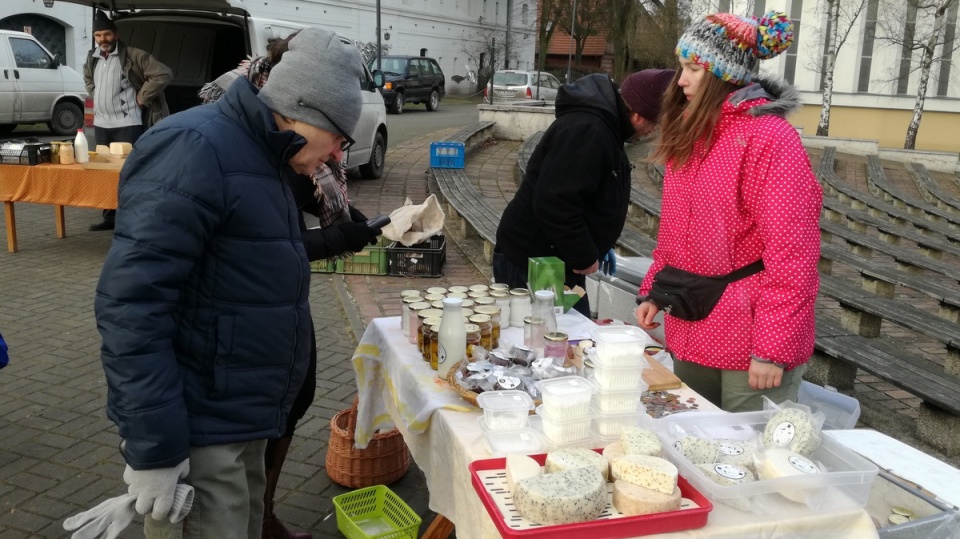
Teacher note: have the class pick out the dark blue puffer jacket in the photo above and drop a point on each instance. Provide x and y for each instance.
(203, 298)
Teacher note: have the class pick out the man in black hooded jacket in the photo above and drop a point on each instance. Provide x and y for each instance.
(573, 200)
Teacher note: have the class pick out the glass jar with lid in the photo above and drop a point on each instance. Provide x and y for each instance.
(555, 344)
(428, 329)
(494, 313)
(413, 320)
(473, 340)
(520, 306)
(405, 303)
(502, 300)
(485, 324)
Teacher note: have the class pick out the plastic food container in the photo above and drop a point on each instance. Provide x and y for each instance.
(844, 485)
(506, 409)
(612, 377)
(841, 411)
(620, 346)
(523, 441)
(618, 400)
(560, 431)
(566, 397)
(609, 425)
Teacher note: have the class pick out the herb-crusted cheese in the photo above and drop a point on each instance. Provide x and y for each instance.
(640, 441)
(736, 452)
(730, 474)
(633, 500)
(521, 467)
(646, 471)
(793, 429)
(697, 450)
(577, 457)
(575, 495)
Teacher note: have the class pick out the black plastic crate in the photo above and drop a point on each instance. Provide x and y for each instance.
(30, 153)
(420, 260)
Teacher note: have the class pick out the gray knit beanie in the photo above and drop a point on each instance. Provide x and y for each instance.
(319, 73)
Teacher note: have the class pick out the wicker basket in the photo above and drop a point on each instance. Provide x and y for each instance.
(466, 394)
(385, 460)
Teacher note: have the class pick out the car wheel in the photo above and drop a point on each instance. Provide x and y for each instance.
(7, 128)
(434, 102)
(398, 103)
(67, 119)
(374, 168)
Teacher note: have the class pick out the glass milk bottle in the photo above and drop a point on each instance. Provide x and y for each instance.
(452, 337)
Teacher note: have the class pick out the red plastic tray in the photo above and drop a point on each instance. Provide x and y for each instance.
(610, 525)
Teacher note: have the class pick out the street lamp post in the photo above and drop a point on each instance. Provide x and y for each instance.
(573, 30)
(379, 67)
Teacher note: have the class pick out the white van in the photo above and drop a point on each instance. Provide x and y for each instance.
(35, 87)
(201, 39)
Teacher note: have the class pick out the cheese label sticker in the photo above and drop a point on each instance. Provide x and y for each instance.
(729, 471)
(678, 446)
(783, 433)
(803, 464)
(731, 449)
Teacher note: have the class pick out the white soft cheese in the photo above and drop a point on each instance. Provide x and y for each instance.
(633, 500)
(521, 467)
(640, 441)
(777, 462)
(646, 471)
(575, 495)
(119, 148)
(577, 457)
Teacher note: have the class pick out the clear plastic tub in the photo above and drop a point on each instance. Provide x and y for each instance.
(559, 431)
(612, 377)
(615, 401)
(844, 485)
(620, 346)
(841, 411)
(609, 425)
(523, 441)
(567, 397)
(505, 410)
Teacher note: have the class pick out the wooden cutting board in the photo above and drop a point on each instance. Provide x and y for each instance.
(658, 377)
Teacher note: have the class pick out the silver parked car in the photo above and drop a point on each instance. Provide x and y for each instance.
(511, 84)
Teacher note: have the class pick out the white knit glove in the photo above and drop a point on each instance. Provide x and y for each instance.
(155, 489)
(111, 517)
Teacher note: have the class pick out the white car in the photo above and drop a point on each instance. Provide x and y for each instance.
(35, 87)
(508, 84)
(211, 37)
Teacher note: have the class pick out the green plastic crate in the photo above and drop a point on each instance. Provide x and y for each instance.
(323, 266)
(375, 512)
(370, 261)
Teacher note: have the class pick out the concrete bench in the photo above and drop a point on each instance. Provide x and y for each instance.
(931, 190)
(881, 187)
(524, 153)
(466, 211)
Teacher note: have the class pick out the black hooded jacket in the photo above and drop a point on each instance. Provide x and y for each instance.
(573, 200)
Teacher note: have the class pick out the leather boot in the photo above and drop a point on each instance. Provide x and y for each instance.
(273, 459)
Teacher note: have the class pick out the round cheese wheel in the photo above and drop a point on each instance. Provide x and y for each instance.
(633, 500)
(565, 497)
(778, 462)
(793, 429)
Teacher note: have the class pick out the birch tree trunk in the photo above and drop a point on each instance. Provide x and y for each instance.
(823, 128)
(926, 60)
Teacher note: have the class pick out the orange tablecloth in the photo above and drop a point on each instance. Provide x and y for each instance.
(62, 185)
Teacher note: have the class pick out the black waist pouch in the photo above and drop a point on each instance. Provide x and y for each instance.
(691, 297)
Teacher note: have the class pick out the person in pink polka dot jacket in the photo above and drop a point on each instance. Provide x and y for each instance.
(738, 188)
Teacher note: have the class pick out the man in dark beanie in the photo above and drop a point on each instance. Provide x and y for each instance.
(643, 91)
(203, 303)
(572, 202)
(127, 85)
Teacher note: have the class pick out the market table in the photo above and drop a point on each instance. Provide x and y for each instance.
(59, 185)
(397, 387)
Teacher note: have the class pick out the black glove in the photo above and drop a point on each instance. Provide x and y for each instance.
(356, 215)
(356, 236)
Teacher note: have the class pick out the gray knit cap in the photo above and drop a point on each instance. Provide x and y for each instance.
(319, 73)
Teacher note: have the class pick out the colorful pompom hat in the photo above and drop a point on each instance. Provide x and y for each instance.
(729, 45)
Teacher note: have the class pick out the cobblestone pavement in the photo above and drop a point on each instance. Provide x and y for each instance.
(58, 454)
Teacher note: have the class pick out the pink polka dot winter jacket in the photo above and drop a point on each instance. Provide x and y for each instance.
(751, 195)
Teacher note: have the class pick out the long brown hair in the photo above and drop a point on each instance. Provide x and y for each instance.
(684, 122)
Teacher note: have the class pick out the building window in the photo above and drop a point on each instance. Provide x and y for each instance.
(524, 15)
(949, 34)
(790, 69)
(866, 51)
(906, 51)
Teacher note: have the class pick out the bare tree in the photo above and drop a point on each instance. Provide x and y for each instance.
(591, 17)
(486, 52)
(622, 22)
(660, 23)
(841, 18)
(547, 23)
(916, 25)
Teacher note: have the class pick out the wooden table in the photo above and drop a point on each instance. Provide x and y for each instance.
(59, 185)
(452, 439)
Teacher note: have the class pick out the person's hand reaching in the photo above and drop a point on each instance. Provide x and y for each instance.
(356, 236)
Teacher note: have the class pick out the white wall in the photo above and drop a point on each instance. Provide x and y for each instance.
(74, 18)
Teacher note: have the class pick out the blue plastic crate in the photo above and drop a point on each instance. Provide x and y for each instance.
(447, 155)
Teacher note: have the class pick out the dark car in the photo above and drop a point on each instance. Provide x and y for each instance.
(410, 79)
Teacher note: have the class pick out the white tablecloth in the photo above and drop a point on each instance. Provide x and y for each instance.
(450, 439)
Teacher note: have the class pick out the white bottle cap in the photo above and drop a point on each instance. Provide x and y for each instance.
(545, 294)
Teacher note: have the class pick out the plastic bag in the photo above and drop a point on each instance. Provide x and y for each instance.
(793, 426)
(411, 224)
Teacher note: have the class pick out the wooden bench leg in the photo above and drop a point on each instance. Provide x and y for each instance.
(488, 251)
(825, 370)
(952, 362)
(440, 528)
(61, 223)
(940, 429)
(950, 313)
(11, 220)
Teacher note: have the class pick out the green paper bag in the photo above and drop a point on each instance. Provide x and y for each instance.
(546, 273)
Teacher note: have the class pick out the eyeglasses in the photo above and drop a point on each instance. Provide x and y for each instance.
(347, 139)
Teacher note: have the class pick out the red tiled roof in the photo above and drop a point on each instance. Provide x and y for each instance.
(561, 43)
